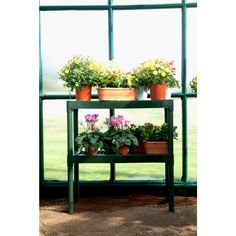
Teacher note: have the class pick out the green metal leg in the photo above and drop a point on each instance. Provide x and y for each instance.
(167, 181)
(112, 173)
(70, 189)
(76, 178)
(171, 187)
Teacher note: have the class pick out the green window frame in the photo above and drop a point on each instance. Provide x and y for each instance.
(183, 94)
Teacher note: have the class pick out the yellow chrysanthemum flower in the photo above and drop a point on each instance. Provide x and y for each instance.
(163, 74)
(167, 70)
(66, 71)
(155, 72)
(77, 61)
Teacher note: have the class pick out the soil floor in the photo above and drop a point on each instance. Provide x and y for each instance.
(132, 215)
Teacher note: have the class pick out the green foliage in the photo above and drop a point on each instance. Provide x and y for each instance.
(151, 132)
(89, 139)
(115, 138)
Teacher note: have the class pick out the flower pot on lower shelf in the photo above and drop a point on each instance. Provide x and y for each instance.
(116, 94)
(156, 147)
(92, 152)
(84, 94)
(123, 150)
(139, 148)
(158, 91)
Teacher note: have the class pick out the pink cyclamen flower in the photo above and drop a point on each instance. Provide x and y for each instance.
(91, 118)
(120, 118)
(171, 63)
(126, 122)
(115, 122)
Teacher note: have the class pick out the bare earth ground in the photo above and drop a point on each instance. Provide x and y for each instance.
(132, 215)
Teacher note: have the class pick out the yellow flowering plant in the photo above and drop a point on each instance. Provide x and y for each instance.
(79, 72)
(156, 71)
(193, 84)
(113, 76)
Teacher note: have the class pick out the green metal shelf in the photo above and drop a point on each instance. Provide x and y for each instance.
(114, 158)
(72, 105)
(74, 158)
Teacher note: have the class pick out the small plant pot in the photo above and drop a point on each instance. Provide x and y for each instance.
(139, 148)
(158, 91)
(92, 152)
(156, 147)
(84, 94)
(123, 150)
(116, 94)
(141, 94)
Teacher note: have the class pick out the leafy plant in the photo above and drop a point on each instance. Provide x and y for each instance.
(79, 72)
(118, 134)
(193, 84)
(91, 137)
(114, 76)
(156, 71)
(151, 132)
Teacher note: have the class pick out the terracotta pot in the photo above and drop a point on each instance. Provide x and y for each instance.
(158, 91)
(116, 94)
(84, 94)
(123, 150)
(156, 147)
(139, 148)
(92, 152)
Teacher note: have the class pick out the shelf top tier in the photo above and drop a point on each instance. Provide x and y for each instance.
(73, 105)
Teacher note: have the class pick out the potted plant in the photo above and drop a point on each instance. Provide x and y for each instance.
(156, 75)
(90, 139)
(141, 87)
(193, 84)
(80, 73)
(137, 131)
(155, 138)
(118, 137)
(115, 83)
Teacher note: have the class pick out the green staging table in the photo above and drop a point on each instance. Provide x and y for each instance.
(74, 158)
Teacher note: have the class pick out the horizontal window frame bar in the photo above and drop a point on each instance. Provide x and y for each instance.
(95, 96)
(115, 7)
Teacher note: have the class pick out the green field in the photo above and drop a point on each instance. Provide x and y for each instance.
(55, 144)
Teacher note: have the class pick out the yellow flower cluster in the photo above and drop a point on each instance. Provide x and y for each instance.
(129, 79)
(156, 67)
(112, 70)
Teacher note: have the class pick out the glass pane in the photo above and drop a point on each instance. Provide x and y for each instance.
(55, 140)
(191, 44)
(72, 2)
(142, 35)
(133, 2)
(55, 143)
(64, 34)
(192, 138)
(140, 171)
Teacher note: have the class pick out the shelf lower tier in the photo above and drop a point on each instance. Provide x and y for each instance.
(114, 158)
